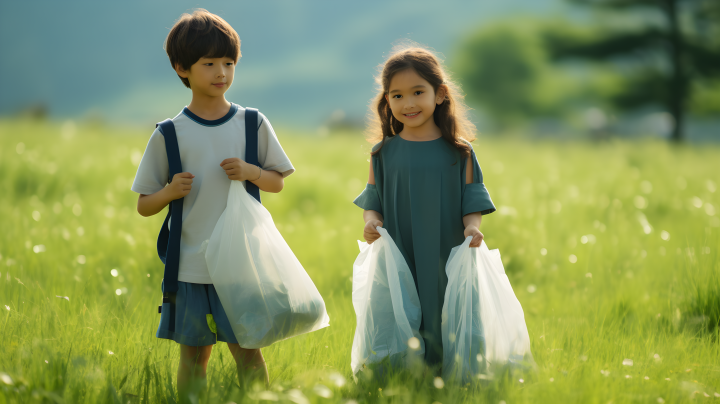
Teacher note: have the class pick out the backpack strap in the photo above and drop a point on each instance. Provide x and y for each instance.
(251, 148)
(168, 244)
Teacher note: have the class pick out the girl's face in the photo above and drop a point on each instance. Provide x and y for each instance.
(412, 99)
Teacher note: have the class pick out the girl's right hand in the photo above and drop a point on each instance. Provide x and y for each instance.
(370, 232)
(180, 185)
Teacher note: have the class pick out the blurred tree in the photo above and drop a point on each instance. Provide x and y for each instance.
(669, 55)
(504, 69)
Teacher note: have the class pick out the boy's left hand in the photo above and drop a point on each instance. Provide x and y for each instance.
(476, 235)
(239, 170)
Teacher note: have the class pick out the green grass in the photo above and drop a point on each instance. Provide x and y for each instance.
(68, 218)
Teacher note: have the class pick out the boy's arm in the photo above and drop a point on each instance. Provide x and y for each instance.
(149, 205)
(239, 170)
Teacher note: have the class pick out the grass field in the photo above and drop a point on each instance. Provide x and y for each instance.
(612, 249)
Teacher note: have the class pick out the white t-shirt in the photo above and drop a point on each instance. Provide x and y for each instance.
(203, 145)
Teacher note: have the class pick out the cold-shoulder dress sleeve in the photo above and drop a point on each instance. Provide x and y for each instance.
(371, 197)
(476, 197)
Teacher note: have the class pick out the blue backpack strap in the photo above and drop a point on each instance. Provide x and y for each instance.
(251, 147)
(168, 244)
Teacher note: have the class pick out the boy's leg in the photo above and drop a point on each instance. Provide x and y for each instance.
(192, 369)
(249, 362)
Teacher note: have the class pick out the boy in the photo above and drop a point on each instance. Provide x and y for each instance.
(203, 50)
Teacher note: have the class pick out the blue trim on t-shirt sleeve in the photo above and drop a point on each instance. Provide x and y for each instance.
(217, 122)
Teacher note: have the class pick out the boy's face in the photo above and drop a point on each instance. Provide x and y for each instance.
(210, 76)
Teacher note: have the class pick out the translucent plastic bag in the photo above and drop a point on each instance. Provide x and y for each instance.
(262, 286)
(483, 324)
(386, 305)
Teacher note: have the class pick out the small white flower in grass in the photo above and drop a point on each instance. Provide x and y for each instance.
(521, 380)
(46, 361)
(667, 378)
(656, 356)
(531, 288)
(148, 275)
(572, 258)
(627, 362)
(583, 358)
(5, 378)
(628, 377)
(265, 396)
(706, 395)
(63, 297)
(414, 343)
(552, 379)
(717, 395)
(118, 292)
(337, 379)
(660, 400)
(640, 202)
(39, 248)
(665, 235)
(81, 259)
(111, 352)
(438, 383)
(605, 373)
(7, 307)
(647, 378)
(114, 272)
(322, 391)
(297, 397)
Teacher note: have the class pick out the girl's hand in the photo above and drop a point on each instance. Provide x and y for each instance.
(370, 232)
(239, 170)
(179, 186)
(476, 235)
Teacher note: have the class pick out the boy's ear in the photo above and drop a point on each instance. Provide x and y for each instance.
(180, 71)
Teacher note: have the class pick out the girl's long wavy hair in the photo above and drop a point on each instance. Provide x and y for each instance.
(451, 116)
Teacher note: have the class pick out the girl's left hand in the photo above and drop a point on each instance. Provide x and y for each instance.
(476, 235)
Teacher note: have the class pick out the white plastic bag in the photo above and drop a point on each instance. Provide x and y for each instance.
(263, 288)
(483, 324)
(386, 305)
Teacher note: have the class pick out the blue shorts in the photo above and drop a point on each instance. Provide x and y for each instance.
(193, 303)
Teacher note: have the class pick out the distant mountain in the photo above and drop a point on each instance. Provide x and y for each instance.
(302, 60)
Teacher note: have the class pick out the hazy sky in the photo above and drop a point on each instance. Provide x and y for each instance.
(301, 59)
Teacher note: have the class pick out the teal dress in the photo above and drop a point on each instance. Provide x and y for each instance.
(420, 190)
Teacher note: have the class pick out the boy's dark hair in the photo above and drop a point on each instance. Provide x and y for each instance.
(200, 34)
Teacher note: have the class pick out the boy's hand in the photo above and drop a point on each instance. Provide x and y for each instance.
(370, 232)
(476, 235)
(180, 185)
(239, 170)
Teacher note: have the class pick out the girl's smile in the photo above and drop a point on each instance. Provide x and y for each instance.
(412, 101)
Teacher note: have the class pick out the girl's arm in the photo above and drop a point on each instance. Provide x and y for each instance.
(372, 218)
(472, 220)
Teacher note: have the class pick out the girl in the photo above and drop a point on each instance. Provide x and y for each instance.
(425, 185)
